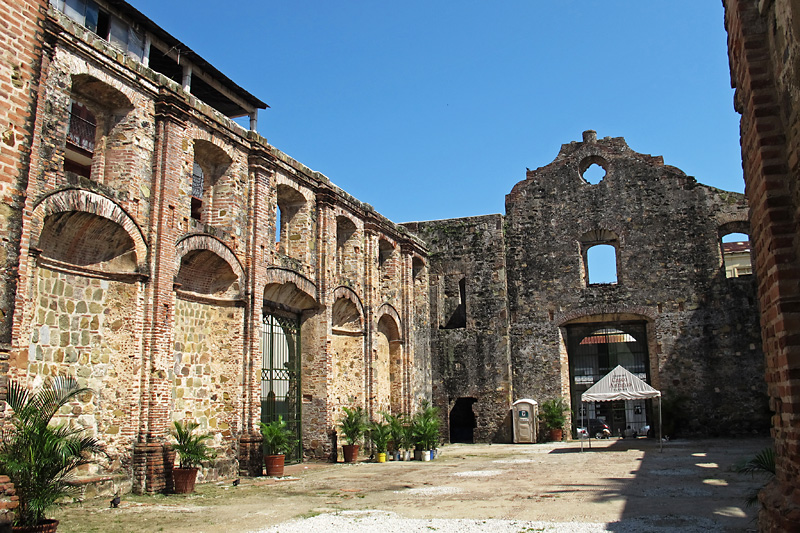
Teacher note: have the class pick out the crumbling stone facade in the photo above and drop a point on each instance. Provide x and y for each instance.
(530, 311)
(180, 265)
(764, 48)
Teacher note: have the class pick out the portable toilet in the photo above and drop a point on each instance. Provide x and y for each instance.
(525, 417)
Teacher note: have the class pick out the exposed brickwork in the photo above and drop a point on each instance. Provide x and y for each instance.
(158, 305)
(20, 61)
(764, 50)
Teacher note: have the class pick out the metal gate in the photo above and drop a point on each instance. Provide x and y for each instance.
(280, 375)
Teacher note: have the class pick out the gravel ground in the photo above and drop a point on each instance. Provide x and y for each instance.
(388, 522)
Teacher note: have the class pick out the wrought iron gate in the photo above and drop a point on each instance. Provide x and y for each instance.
(280, 375)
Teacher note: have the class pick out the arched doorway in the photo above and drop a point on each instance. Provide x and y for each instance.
(594, 350)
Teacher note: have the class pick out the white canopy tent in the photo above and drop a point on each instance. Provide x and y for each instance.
(619, 384)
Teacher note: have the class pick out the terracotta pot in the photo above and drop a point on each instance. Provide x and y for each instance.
(275, 465)
(350, 452)
(45, 526)
(556, 435)
(183, 480)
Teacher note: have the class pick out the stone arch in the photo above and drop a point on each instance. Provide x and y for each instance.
(290, 289)
(210, 163)
(348, 311)
(389, 361)
(206, 266)
(735, 255)
(95, 110)
(292, 219)
(388, 310)
(58, 211)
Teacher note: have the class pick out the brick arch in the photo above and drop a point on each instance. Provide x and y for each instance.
(342, 295)
(386, 310)
(289, 288)
(212, 244)
(79, 200)
(604, 313)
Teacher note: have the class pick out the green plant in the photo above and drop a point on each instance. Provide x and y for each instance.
(278, 438)
(763, 464)
(41, 458)
(191, 449)
(552, 413)
(380, 433)
(353, 424)
(397, 425)
(425, 427)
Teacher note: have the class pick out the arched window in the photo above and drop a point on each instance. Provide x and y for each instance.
(736, 257)
(599, 256)
(601, 264)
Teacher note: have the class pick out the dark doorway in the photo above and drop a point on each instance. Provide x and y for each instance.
(462, 421)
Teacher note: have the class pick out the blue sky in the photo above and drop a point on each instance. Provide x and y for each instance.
(431, 110)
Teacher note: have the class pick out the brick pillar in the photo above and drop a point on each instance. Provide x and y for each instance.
(764, 51)
(407, 315)
(371, 289)
(322, 369)
(168, 220)
(262, 204)
(251, 455)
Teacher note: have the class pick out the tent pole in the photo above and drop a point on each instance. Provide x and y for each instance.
(660, 438)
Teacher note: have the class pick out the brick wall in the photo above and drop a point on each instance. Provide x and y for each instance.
(764, 50)
(20, 59)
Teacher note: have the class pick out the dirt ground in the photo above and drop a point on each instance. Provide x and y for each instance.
(688, 484)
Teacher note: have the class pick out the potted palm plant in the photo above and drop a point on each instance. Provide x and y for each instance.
(353, 425)
(396, 425)
(192, 450)
(380, 433)
(41, 458)
(425, 431)
(553, 414)
(278, 441)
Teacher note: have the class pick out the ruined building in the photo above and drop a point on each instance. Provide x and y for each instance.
(516, 311)
(176, 262)
(185, 269)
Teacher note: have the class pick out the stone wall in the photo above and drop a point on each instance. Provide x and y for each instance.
(470, 346)
(528, 282)
(155, 295)
(764, 49)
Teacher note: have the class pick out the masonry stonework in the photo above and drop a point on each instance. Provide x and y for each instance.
(519, 323)
(180, 265)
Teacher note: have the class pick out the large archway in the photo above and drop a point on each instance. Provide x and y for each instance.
(596, 348)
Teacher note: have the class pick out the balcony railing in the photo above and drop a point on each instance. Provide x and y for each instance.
(81, 132)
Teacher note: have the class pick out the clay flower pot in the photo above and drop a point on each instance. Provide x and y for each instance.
(275, 465)
(350, 452)
(183, 480)
(45, 526)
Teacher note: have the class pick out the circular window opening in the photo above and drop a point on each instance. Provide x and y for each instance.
(594, 174)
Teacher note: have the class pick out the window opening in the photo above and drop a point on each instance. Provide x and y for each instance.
(197, 191)
(736, 256)
(80, 140)
(594, 174)
(601, 264)
(455, 303)
(280, 375)
(105, 25)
